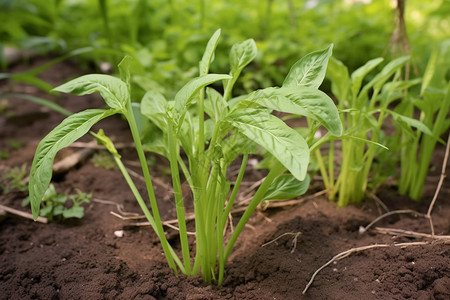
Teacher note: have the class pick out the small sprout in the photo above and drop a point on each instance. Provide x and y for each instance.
(14, 180)
(54, 205)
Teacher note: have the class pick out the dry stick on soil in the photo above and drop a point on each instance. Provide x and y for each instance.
(355, 250)
(22, 214)
(119, 207)
(394, 212)
(377, 201)
(406, 233)
(294, 240)
(438, 189)
(155, 180)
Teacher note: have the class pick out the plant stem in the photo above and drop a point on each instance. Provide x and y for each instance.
(144, 208)
(223, 220)
(257, 198)
(148, 183)
(173, 154)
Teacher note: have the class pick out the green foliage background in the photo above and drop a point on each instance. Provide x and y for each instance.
(167, 36)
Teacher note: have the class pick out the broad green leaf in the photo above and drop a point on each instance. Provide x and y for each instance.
(154, 107)
(235, 145)
(208, 56)
(215, 106)
(361, 72)
(124, 69)
(310, 70)
(305, 101)
(112, 89)
(187, 93)
(337, 72)
(141, 120)
(286, 187)
(283, 142)
(70, 129)
(156, 143)
(242, 54)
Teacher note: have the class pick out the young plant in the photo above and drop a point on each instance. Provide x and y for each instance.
(53, 205)
(210, 145)
(14, 180)
(418, 139)
(363, 110)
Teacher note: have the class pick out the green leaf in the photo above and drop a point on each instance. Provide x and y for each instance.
(242, 54)
(41, 101)
(286, 187)
(337, 72)
(235, 145)
(310, 70)
(154, 107)
(388, 71)
(283, 142)
(32, 80)
(305, 101)
(411, 122)
(429, 71)
(215, 106)
(208, 56)
(70, 129)
(188, 92)
(361, 72)
(112, 89)
(124, 69)
(73, 212)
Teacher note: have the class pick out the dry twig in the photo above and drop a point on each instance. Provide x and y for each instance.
(401, 232)
(394, 212)
(355, 250)
(22, 214)
(438, 189)
(294, 240)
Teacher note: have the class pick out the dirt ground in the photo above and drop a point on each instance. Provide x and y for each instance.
(83, 259)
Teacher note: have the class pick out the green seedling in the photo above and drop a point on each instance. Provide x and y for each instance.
(54, 207)
(418, 139)
(200, 148)
(14, 180)
(363, 110)
(4, 154)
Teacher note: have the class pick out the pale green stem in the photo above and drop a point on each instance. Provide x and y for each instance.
(144, 208)
(173, 154)
(257, 198)
(225, 215)
(149, 185)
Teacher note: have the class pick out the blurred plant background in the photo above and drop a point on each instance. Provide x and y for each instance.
(167, 37)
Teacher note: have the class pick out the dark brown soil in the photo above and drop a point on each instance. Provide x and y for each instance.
(83, 259)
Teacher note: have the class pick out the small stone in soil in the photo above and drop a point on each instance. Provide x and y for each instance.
(118, 233)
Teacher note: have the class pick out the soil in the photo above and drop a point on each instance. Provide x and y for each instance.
(83, 259)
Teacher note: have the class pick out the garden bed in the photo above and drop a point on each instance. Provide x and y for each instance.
(84, 259)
